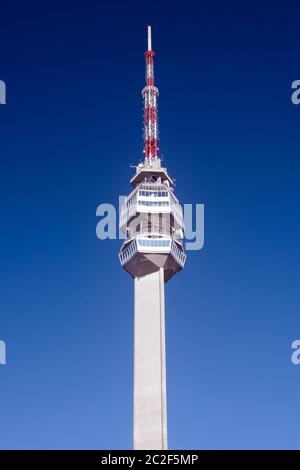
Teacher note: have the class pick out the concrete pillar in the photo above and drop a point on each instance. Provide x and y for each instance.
(150, 407)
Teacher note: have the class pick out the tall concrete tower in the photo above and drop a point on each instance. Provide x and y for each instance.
(153, 252)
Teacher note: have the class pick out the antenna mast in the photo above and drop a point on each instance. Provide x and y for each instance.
(150, 95)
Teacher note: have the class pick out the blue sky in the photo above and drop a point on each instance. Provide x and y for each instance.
(230, 135)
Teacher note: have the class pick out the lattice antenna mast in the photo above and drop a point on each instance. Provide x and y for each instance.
(150, 95)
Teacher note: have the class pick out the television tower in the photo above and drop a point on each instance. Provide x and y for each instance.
(153, 252)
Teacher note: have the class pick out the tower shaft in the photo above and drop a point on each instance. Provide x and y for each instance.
(150, 408)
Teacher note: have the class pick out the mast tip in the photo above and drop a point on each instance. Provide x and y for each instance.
(149, 39)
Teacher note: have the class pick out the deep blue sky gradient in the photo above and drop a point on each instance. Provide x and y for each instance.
(230, 135)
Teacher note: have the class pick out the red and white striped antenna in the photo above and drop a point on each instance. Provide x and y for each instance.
(150, 95)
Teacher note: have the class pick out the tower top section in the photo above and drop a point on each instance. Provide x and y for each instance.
(151, 216)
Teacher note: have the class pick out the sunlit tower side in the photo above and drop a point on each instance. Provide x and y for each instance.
(152, 220)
